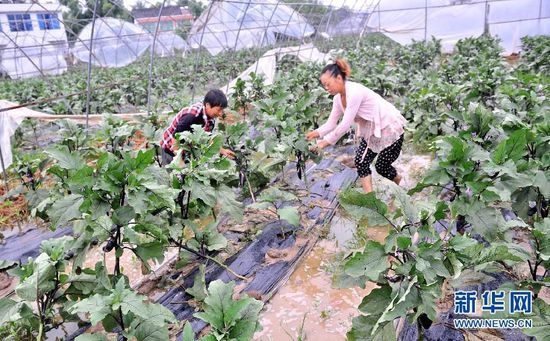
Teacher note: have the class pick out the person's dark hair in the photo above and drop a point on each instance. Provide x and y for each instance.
(339, 68)
(216, 98)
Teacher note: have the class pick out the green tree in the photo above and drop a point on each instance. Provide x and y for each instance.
(195, 7)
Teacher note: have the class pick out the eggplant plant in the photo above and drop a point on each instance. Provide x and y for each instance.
(412, 264)
(117, 202)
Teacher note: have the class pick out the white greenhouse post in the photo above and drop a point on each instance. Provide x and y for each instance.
(4, 170)
(151, 59)
(425, 20)
(237, 41)
(288, 23)
(200, 44)
(90, 67)
(367, 21)
(486, 23)
(265, 35)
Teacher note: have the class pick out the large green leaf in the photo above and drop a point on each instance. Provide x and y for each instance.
(234, 319)
(65, 209)
(228, 203)
(499, 154)
(164, 196)
(247, 323)
(376, 301)
(541, 321)
(273, 194)
(459, 243)
(65, 159)
(541, 181)
(188, 334)
(502, 252)
(203, 192)
(40, 282)
(371, 262)
(98, 306)
(428, 298)
(198, 290)
(362, 327)
(146, 331)
(214, 147)
(487, 221)
(9, 310)
(361, 205)
(152, 250)
(217, 303)
(290, 214)
(516, 145)
(404, 202)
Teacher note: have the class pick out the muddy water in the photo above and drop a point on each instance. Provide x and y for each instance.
(307, 307)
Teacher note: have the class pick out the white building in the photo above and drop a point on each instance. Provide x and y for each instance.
(33, 41)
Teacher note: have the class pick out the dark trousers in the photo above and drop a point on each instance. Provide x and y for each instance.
(167, 157)
(383, 163)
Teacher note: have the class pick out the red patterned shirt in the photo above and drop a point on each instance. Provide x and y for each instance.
(183, 122)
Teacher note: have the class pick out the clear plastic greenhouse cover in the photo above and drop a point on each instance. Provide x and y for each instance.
(235, 26)
(451, 20)
(352, 24)
(30, 57)
(168, 44)
(116, 43)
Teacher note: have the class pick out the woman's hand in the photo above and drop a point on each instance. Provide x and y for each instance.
(312, 135)
(320, 145)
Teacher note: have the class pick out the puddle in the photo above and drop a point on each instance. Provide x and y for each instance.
(308, 299)
(342, 230)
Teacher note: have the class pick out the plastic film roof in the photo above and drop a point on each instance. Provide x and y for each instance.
(32, 58)
(168, 43)
(235, 26)
(451, 20)
(116, 43)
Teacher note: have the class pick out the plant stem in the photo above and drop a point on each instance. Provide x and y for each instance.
(182, 246)
(305, 178)
(250, 188)
(121, 322)
(187, 205)
(420, 335)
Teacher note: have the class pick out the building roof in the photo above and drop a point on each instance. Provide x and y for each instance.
(166, 11)
(34, 7)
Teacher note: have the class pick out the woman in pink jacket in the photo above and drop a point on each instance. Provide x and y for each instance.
(379, 124)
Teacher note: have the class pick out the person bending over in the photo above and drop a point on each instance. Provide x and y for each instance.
(203, 114)
(380, 126)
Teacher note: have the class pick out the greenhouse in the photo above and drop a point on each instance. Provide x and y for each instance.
(275, 170)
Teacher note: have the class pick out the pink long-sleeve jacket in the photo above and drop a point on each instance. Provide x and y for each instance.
(378, 121)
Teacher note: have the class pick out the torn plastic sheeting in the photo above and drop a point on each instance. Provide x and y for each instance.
(11, 119)
(267, 64)
(9, 122)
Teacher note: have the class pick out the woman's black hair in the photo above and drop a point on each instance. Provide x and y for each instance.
(339, 68)
(216, 98)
